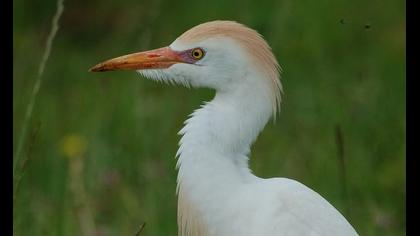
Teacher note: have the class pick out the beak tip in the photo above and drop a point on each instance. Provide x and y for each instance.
(97, 68)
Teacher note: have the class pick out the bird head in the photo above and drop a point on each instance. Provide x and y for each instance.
(222, 55)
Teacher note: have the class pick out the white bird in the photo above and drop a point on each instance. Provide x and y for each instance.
(217, 193)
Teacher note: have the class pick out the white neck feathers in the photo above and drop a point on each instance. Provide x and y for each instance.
(212, 158)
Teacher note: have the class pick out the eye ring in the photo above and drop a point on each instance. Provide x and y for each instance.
(197, 53)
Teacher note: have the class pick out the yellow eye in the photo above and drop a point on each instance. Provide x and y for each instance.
(197, 53)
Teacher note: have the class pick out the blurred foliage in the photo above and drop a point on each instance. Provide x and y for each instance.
(343, 63)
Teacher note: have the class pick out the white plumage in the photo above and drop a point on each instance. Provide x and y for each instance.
(217, 193)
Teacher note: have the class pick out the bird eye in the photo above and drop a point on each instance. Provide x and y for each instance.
(197, 53)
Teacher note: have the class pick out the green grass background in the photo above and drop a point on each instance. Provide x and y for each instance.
(343, 63)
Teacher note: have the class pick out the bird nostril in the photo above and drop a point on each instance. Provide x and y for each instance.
(153, 55)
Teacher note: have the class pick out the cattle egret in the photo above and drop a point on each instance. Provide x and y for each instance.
(217, 193)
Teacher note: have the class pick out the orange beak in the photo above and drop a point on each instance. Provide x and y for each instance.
(154, 59)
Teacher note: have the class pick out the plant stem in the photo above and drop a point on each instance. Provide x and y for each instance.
(38, 83)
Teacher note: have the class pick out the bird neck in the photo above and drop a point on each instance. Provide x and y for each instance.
(224, 128)
(214, 148)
